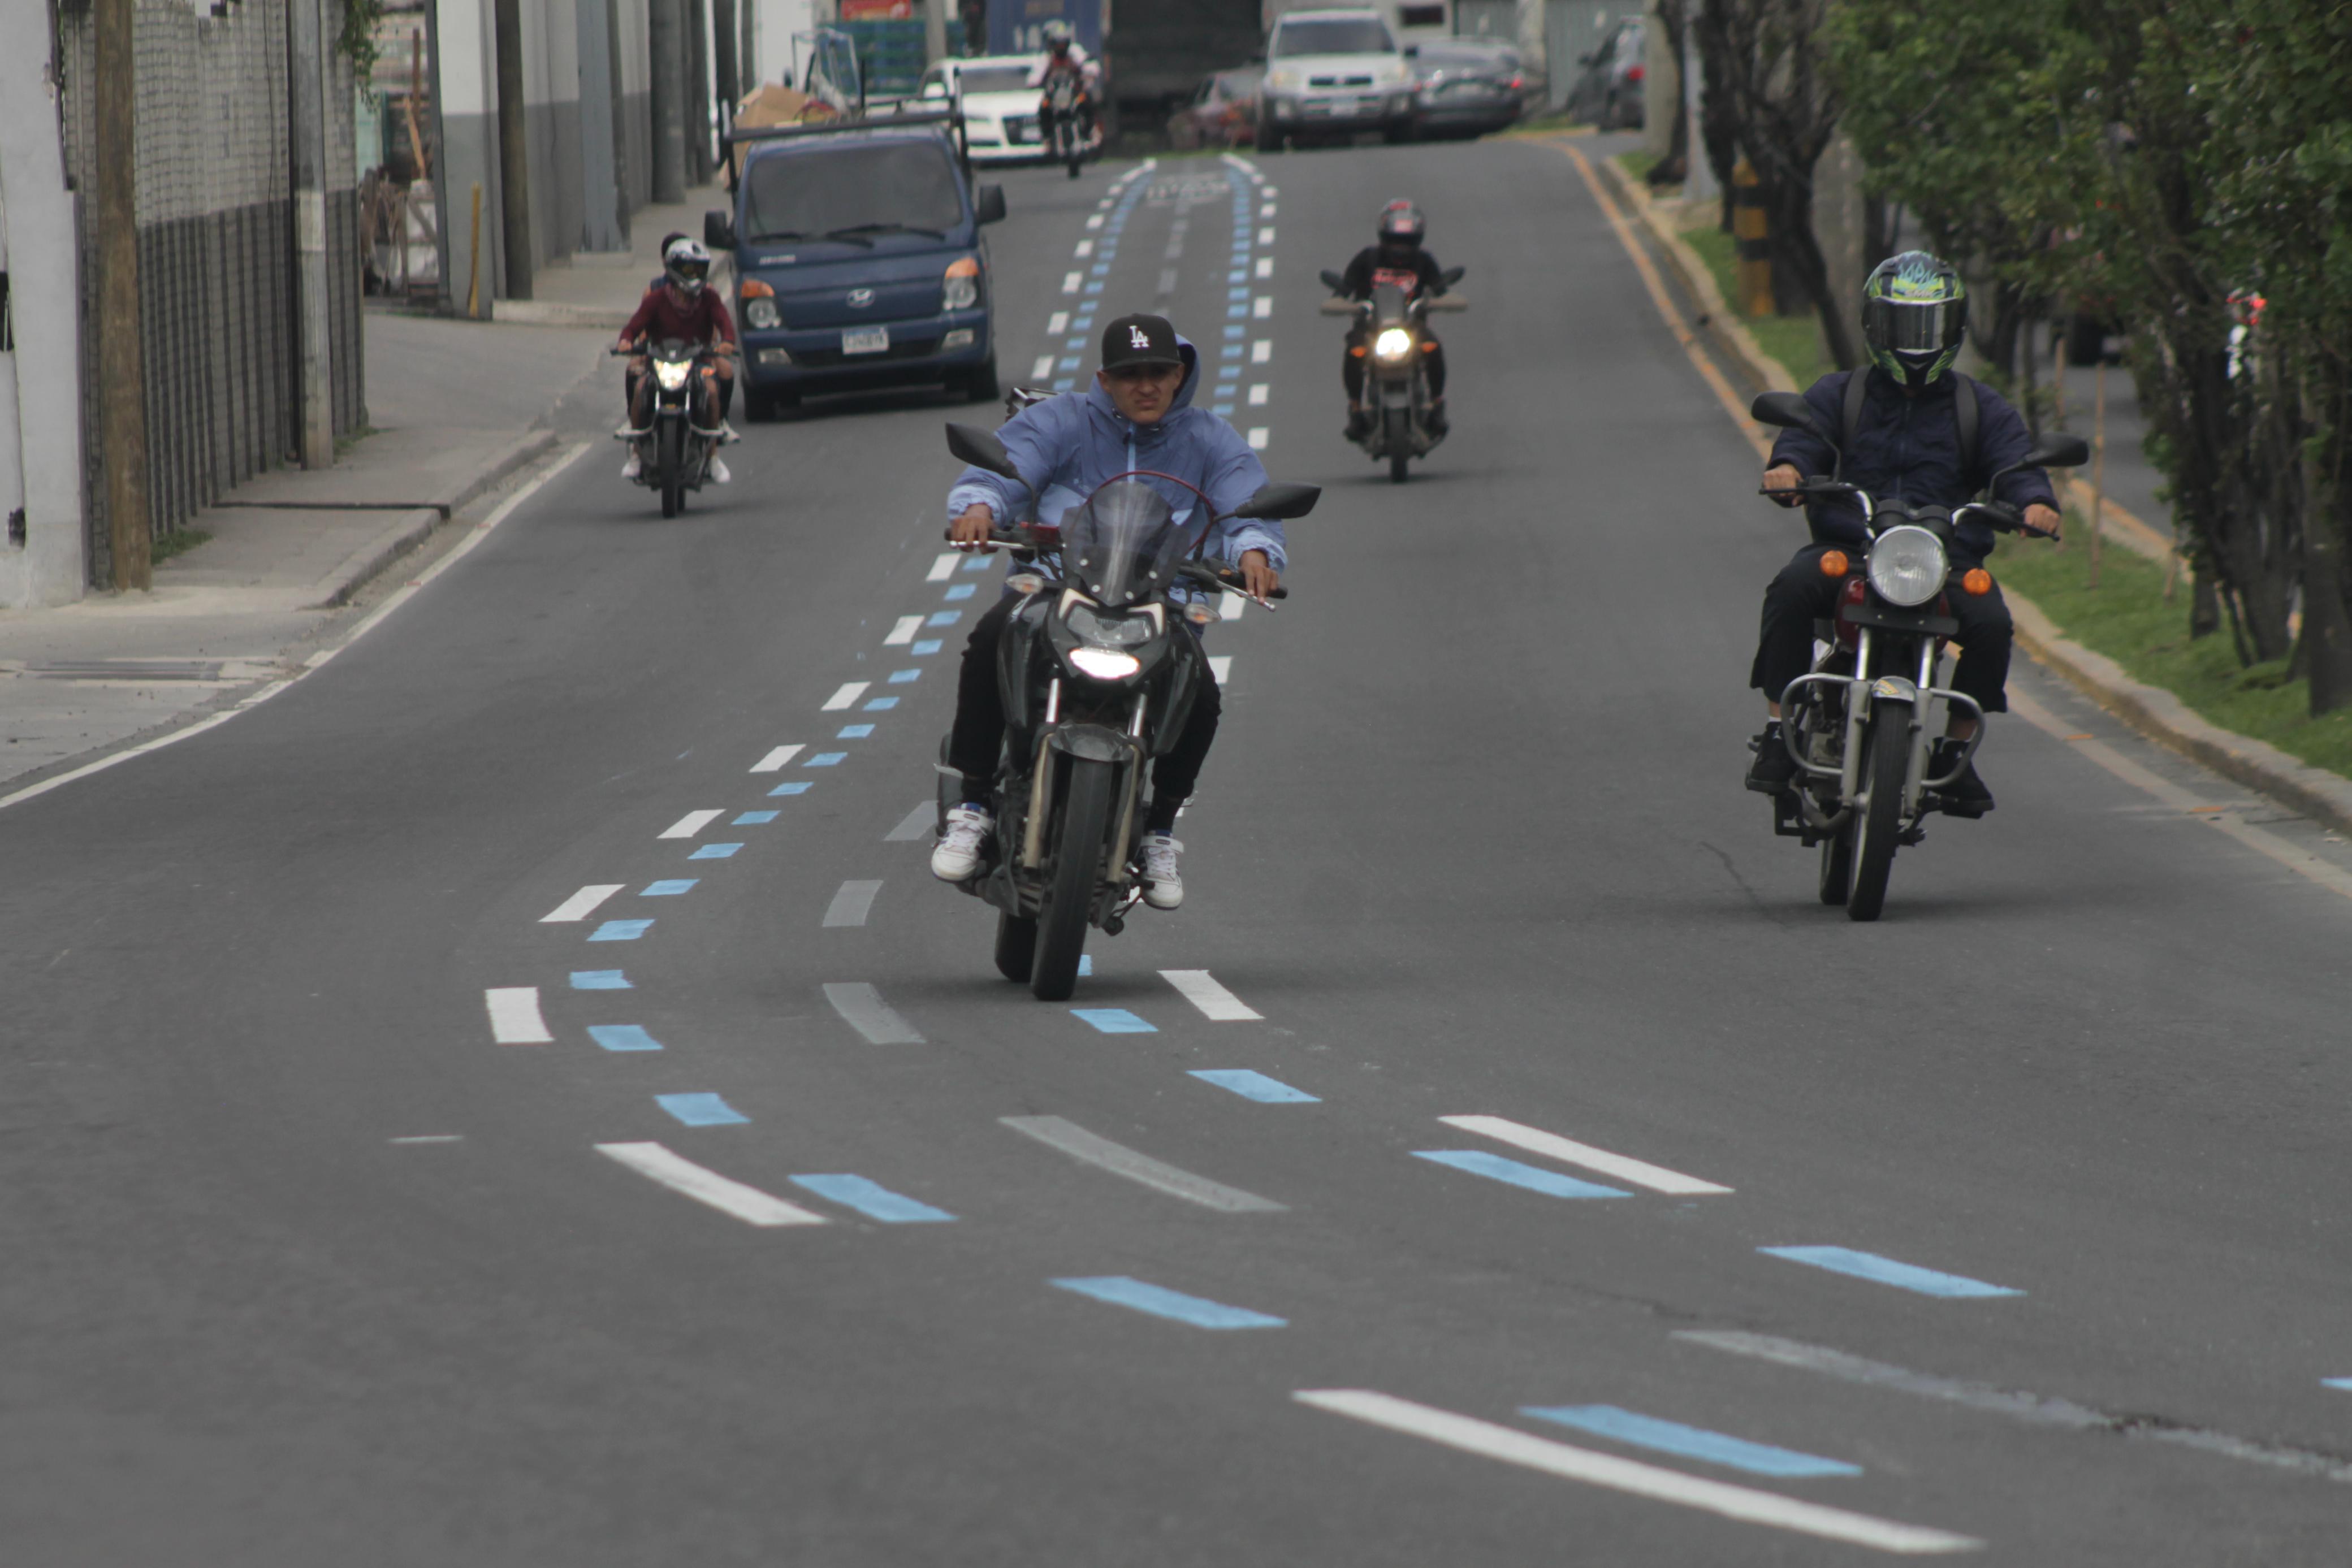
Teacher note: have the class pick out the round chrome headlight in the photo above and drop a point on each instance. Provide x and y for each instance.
(1907, 566)
(761, 312)
(1393, 344)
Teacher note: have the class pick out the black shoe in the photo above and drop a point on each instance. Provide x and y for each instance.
(1774, 770)
(1360, 424)
(1965, 796)
(1433, 416)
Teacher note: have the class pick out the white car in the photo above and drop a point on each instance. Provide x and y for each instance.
(1333, 73)
(1000, 107)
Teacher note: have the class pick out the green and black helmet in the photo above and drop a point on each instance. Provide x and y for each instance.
(1914, 311)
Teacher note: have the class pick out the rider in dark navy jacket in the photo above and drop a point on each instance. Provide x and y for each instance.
(1905, 445)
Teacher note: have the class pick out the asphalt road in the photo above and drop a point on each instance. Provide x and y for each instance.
(307, 1265)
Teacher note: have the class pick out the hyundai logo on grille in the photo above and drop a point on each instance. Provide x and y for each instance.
(859, 298)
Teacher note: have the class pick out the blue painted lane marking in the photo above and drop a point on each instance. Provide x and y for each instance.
(872, 1199)
(1237, 331)
(1122, 1292)
(1112, 1021)
(900, 677)
(798, 789)
(2343, 1383)
(669, 887)
(623, 1037)
(944, 618)
(600, 980)
(753, 819)
(620, 931)
(1691, 1442)
(826, 760)
(1086, 963)
(715, 853)
(1065, 383)
(977, 563)
(884, 704)
(700, 1110)
(927, 646)
(1888, 1271)
(1535, 1178)
(855, 732)
(1229, 372)
(959, 591)
(1255, 1086)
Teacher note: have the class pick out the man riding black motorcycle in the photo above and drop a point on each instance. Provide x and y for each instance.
(1064, 55)
(1138, 415)
(1913, 430)
(683, 308)
(1399, 259)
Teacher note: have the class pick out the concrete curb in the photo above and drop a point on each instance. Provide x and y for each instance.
(2156, 713)
(526, 448)
(414, 526)
(555, 313)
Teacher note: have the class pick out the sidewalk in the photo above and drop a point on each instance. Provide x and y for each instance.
(458, 410)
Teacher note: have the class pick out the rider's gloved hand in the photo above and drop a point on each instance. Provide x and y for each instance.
(972, 528)
(1783, 477)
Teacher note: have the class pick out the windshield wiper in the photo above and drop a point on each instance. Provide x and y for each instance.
(856, 229)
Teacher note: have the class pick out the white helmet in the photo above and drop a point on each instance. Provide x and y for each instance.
(687, 264)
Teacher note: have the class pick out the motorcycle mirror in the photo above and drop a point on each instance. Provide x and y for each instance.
(1451, 276)
(982, 449)
(2054, 450)
(1788, 409)
(1277, 500)
(988, 203)
(719, 230)
(1332, 280)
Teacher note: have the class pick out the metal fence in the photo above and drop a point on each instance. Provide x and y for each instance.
(217, 264)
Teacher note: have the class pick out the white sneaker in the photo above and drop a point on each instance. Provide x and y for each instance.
(726, 433)
(632, 468)
(719, 474)
(958, 856)
(1163, 888)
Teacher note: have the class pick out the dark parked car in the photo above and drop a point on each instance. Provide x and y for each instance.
(1223, 114)
(1609, 92)
(1466, 87)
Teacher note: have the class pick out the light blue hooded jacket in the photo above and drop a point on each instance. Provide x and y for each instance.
(1071, 446)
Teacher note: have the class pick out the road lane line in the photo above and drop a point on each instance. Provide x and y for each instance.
(669, 887)
(855, 732)
(1888, 1271)
(1265, 266)
(1042, 369)
(903, 632)
(1640, 1173)
(693, 822)
(600, 980)
(1261, 351)
(1255, 1086)
(716, 852)
(1075, 1141)
(873, 1200)
(1222, 666)
(2344, 1383)
(430, 1138)
(748, 1204)
(943, 566)
(1262, 307)
(701, 1110)
(1535, 1178)
(1640, 1431)
(1058, 323)
(1745, 1504)
(961, 590)
(774, 760)
(1112, 1021)
(580, 905)
(1258, 438)
(620, 931)
(852, 903)
(1217, 1003)
(849, 692)
(798, 786)
(918, 824)
(1071, 281)
(754, 818)
(514, 1016)
(826, 760)
(1257, 395)
(861, 1007)
(1230, 605)
(1120, 1291)
(623, 1037)
(1265, 237)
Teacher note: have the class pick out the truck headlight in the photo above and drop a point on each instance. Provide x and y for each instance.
(1907, 566)
(764, 313)
(962, 283)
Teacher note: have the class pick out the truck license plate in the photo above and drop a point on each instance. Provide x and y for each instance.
(866, 340)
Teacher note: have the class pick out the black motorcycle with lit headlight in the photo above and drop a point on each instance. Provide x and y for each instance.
(1393, 324)
(1099, 676)
(1858, 723)
(674, 450)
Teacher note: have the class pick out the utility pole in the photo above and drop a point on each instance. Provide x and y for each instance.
(122, 365)
(514, 149)
(307, 61)
(725, 39)
(665, 46)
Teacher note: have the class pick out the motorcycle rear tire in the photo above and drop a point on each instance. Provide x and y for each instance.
(1070, 885)
(669, 462)
(1400, 444)
(1016, 946)
(1887, 752)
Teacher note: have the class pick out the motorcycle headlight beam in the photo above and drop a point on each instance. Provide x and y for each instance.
(1907, 566)
(1104, 663)
(672, 374)
(1394, 343)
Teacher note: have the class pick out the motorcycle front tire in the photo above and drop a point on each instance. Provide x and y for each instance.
(1070, 885)
(1016, 946)
(1886, 753)
(1400, 442)
(669, 462)
(1837, 865)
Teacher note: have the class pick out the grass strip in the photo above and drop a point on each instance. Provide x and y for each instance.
(1794, 340)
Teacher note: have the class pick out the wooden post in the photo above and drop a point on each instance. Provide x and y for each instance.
(2098, 462)
(121, 361)
(1751, 237)
(2058, 411)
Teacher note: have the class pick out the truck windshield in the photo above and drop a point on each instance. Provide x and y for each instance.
(875, 188)
(1334, 36)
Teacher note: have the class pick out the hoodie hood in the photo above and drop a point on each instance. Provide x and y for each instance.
(1098, 400)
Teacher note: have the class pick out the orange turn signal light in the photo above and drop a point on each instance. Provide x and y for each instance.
(755, 290)
(1979, 581)
(1358, 352)
(1834, 563)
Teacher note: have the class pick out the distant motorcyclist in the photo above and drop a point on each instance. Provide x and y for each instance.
(1065, 57)
(1397, 259)
(1138, 414)
(684, 308)
(1903, 436)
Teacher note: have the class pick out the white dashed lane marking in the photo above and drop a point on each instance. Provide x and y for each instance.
(748, 1204)
(1201, 988)
(580, 905)
(943, 567)
(848, 695)
(514, 1016)
(775, 761)
(903, 632)
(1639, 1172)
(693, 822)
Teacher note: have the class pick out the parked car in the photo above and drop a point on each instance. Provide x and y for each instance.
(1609, 92)
(1466, 87)
(1223, 114)
(1333, 73)
(1000, 107)
(858, 260)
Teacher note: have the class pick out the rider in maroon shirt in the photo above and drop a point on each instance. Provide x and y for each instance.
(682, 307)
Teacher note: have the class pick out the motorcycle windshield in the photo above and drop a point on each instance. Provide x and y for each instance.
(1123, 546)
(1389, 304)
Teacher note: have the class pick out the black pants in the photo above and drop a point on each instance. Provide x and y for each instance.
(978, 738)
(1351, 363)
(1800, 595)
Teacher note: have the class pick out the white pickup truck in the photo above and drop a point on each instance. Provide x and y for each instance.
(1333, 73)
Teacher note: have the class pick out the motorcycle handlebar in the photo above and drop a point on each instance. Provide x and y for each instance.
(1043, 538)
(2000, 516)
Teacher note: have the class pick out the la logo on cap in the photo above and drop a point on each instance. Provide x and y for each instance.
(1137, 338)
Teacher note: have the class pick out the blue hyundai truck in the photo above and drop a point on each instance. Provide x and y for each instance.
(859, 261)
